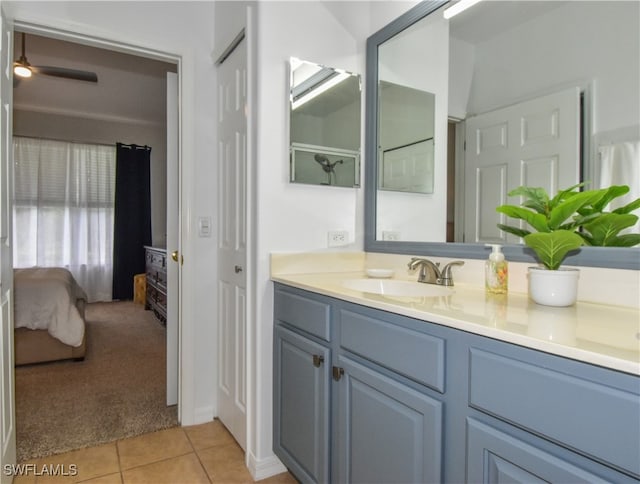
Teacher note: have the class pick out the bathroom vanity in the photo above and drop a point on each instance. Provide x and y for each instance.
(370, 388)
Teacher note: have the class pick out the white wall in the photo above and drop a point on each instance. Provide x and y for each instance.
(461, 62)
(292, 217)
(184, 29)
(296, 218)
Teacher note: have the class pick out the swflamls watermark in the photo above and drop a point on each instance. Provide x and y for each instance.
(40, 470)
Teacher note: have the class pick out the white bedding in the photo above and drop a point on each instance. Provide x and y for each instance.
(45, 298)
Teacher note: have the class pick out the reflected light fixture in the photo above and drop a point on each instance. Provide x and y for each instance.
(21, 68)
(325, 86)
(458, 7)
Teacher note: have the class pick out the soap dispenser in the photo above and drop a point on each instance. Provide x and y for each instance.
(496, 271)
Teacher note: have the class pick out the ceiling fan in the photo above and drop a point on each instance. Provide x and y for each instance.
(22, 69)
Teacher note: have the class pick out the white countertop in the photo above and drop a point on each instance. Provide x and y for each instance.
(608, 336)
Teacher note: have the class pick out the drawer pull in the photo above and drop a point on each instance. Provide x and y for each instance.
(337, 373)
(237, 269)
(318, 360)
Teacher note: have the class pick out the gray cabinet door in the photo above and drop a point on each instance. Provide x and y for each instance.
(386, 432)
(494, 457)
(301, 405)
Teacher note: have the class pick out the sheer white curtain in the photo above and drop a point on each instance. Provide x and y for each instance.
(63, 210)
(620, 165)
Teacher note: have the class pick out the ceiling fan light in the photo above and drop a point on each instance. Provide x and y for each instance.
(21, 70)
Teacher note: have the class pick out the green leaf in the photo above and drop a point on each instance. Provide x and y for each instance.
(570, 206)
(536, 220)
(605, 229)
(626, 240)
(614, 191)
(563, 195)
(513, 230)
(588, 240)
(552, 247)
(629, 207)
(535, 198)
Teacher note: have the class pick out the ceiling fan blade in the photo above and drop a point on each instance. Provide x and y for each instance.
(65, 73)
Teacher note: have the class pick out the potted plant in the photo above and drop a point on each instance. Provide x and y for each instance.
(559, 225)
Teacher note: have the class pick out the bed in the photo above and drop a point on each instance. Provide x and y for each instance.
(48, 316)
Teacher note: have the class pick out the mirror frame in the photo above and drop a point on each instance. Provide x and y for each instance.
(617, 258)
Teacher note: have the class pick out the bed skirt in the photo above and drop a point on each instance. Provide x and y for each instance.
(38, 346)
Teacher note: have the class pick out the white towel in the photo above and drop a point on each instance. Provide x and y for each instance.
(620, 165)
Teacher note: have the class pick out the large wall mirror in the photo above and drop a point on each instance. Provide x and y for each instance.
(324, 125)
(509, 80)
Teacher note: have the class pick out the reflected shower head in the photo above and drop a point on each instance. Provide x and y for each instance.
(324, 162)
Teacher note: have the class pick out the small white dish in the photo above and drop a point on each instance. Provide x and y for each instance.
(380, 273)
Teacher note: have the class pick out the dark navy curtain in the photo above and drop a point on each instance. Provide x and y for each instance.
(132, 216)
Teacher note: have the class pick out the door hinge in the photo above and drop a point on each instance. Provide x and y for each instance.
(337, 373)
(318, 360)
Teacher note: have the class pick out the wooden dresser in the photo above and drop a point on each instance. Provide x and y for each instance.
(156, 297)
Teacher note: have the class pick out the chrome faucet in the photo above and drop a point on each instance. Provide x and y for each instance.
(430, 272)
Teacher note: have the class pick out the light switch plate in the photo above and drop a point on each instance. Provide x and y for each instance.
(204, 226)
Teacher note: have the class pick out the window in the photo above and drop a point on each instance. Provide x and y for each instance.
(63, 210)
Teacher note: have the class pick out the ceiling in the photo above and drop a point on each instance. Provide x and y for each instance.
(490, 18)
(129, 87)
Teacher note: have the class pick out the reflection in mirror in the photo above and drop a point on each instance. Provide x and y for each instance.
(412, 93)
(537, 99)
(324, 120)
(406, 139)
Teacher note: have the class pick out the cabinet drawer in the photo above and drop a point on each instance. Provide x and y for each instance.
(415, 355)
(598, 420)
(304, 313)
(156, 259)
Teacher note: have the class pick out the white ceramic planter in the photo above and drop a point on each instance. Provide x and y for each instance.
(553, 288)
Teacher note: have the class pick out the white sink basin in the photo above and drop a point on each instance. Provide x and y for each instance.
(394, 287)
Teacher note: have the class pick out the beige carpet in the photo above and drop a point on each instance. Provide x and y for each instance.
(118, 391)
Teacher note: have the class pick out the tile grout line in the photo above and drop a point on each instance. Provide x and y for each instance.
(195, 451)
(119, 464)
(164, 459)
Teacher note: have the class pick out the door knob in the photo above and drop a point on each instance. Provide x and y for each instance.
(174, 255)
(237, 269)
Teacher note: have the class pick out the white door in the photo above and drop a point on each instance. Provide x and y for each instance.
(173, 229)
(7, 397)
(534, 143)
(232, 242)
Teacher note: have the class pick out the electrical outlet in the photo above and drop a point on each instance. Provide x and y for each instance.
(337, 238)
(390, 235)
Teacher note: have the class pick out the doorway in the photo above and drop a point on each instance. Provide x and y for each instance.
(135, 60)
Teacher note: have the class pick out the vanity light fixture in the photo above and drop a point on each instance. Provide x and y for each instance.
(458, 7)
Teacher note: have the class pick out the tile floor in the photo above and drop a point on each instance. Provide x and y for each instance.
(204, 453)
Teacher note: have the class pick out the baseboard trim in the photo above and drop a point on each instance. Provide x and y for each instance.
(263, 468)
(202, 415)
